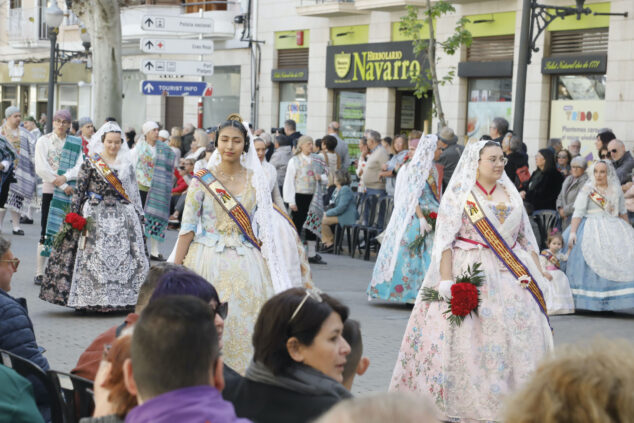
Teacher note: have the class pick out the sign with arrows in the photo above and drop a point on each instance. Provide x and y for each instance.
(176, 46)
(177, 24)
(176, 67)
(176, 88)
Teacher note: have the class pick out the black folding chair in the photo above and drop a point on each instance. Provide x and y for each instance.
(76, 393)
(379, 216)
(546, 220)
(367, 210)
(36, 375)
(341, 230)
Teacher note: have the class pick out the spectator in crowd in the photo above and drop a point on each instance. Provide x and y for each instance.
(270, 145)
(198, 145)
(31, 126)
(89, 360)
(386, 142)
(604, 153)
(342, 147)
(130, 137)
(399, 149)
(498, 129)
(362, 161)
(164, 136)
(42, 121)
(318, 147)
(290, 130)
(623, 162)
(570, 188)
(17, 400)
(333, 161)
(86, 131)
(356, 363)
(203, 160)
(452, 151)
(629, 202)
(545, 183)
(187, 137)
(74, 128)
(176, 131)
(16, 330)
(343, 212)
(554, 145)
(604, 136)
(183, 176)
(175, 145)
(377, 157)
(175, 369)
(280, 158)
(517, 160)
(563, 162)
(578, 384)
(574, 148)
(380, 408)
(299, 358)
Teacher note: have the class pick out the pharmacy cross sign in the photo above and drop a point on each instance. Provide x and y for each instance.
(177, 24)
(176, 46)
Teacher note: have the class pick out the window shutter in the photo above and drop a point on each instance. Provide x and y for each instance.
(292, 58)
(490, 49)
(584, 41)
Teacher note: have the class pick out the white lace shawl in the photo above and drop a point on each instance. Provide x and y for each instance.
(614, 191)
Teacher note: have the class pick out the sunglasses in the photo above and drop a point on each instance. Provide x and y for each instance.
(313, 293)
(604, 156)
(614, 151)
(15, 262)
(221, 310)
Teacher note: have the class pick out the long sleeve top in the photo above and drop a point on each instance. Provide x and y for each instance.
(290, 188)
(48, 150)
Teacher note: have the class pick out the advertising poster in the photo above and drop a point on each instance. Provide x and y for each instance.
(577, 119)
(352, 119)
(481, 113)
(296, 110)
(408, 112)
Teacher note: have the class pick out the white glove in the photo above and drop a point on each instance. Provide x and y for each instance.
(444, 289)
(425, 227)
(572, 239)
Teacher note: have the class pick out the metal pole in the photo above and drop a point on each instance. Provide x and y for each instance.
(52, 32)
(522, 69)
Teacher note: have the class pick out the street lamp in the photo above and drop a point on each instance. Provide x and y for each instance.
(535, 18)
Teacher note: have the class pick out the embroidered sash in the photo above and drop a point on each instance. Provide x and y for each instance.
(497, 244)
(104, 170)
(284, 215)
(551, 258)
(599, 200)
(234, 209)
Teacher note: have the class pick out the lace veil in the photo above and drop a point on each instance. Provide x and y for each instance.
(614, 187)
(452, 206)
(95, 145)
(409, 188)
(264, 220)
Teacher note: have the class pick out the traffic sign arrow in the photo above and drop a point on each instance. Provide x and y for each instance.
(148, 87)
(178, 23)
(149, 44)
(176, 88)
(149, 22)
(148, 65)
(177, 67)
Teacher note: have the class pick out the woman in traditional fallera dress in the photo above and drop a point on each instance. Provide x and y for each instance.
(600, 243)
(217, 238)
(400, 269)
(103, 268)
(469, 369)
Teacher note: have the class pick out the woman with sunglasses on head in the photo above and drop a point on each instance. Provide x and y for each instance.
(226, 205)
(298, 362)
(600, 242)
(563, 162)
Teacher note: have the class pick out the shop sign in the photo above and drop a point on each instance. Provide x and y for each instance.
(289, 75)
(16, 71)
(372, 65)
(29, 73)
(577, 64)
(577, 119)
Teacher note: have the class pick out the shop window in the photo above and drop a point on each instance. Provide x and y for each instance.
(226, 95)
(200, 4)
(487, 49)
(133, 106)
(350, 112)
(488, 99)
(584, 41)
(294, 104)
(68, 98)
(578, 87)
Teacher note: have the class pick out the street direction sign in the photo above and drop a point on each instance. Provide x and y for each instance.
(176, 46)
(176, 67)
(177, 24)
(176, 88)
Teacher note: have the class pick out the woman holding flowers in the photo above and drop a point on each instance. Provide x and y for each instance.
(405, 251)
(480, 325)
(99, 259)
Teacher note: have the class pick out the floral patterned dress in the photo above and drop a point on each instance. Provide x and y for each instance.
(221, 254)
(468, 370)
(104, 271)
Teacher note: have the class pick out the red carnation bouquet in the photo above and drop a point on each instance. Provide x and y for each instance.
(465, 295)
(418, 243)
(72, 222)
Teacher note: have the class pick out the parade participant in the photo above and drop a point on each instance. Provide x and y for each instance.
(58, 158)
(217, 239)
(154, 164)
(101, 267)
(403, 258)
(468, 367)
(557, 292)
(31, 125)
(303, 192)
(87, 130)
(20, 186)
(601, 242)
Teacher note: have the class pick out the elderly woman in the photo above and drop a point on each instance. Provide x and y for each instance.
(545, 183)
(297, 368)
(198, 145)
(563, 162)
(570, 188)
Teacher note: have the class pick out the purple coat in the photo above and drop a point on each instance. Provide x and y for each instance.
(196, 404)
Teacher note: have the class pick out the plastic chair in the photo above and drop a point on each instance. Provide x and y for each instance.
(76, 393)
(546, 220)
(34, 373)
(379, 216)
(368, 207)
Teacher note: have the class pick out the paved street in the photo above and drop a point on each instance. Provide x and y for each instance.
(65, 334)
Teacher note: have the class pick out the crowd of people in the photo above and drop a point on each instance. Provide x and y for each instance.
(232, 329)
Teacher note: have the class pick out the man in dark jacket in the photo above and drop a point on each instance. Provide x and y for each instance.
(451, 152)
(16, 330)
(290, 130)
(516, 160)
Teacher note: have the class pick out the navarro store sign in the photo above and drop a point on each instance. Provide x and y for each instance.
(372, 65)
(575, 65)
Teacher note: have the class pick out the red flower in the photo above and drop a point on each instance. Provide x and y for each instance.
(433, 215)
(398, 288)
(76, 221)
(464, 298)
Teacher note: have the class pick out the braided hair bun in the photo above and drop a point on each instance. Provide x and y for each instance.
(234, 120)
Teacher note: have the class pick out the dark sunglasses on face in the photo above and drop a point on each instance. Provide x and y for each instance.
(604, 156)
(221, 310)
(614, 151)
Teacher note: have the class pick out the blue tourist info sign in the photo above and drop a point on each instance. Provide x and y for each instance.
(176, 88)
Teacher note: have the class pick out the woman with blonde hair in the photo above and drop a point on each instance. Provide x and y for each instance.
(198, 146)
(175, 145)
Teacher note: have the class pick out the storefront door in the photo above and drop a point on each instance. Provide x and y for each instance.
(412, 112)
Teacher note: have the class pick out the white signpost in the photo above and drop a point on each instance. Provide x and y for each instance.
(176, 46)
(176, 67)
(177, 24)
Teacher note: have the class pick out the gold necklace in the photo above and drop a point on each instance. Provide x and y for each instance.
(231, 178)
